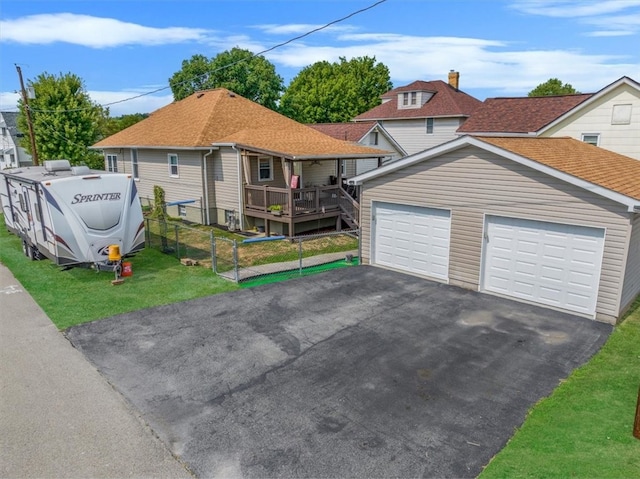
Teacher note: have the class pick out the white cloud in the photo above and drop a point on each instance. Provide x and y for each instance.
(573, 8)
(599, 14)
(93, 32)
(300, 28)
(9, 101)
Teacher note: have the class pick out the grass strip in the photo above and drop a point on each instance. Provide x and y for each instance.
(286, 275)
(80, 295)
(584, 429)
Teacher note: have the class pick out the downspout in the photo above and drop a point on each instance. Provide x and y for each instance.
(206, 187)
(240, 180)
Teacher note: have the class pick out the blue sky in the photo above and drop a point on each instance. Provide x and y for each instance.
(122, 48)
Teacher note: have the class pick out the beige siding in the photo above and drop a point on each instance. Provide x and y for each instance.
(277, 174)
(318, 174)
(632, 273)
(226, 182)
(412, 136)
(596, 119)
(473, 183)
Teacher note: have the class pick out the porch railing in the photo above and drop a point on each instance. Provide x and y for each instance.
(292, 202)
(350, 208)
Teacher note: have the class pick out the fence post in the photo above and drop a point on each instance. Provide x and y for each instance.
(212, 239)
(235, 261)
(175, 227)
(147, 233)
(300, 254)
(636, 424)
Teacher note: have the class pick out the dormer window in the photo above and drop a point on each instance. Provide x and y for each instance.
(410, 99)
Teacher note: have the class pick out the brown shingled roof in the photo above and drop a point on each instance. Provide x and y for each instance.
(596, 165)
(520, 114)
(344, 131)
(220, 116)
(446, 101)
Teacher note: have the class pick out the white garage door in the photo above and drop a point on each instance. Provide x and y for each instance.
(411, 238)
(553, 264)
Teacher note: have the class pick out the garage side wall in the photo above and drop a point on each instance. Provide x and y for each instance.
(473, 183)
(632, 273)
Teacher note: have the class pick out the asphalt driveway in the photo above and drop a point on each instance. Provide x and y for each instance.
(357, 372)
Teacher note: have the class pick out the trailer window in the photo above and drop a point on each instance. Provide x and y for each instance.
(173, 164)
(23, 203)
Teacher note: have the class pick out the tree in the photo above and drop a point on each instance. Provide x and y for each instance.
(113, 125)
(551, 87)
(65, 120)
(335, 92)
(251, 76)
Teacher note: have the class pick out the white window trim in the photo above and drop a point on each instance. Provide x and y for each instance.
(597, 135)
(135, 166)
(182, 211)
(171, 174)
(426, 126)
(260, 158)
(112, 163)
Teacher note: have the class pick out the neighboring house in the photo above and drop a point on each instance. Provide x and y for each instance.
(423, 114)
(368, 133)
(223, 159)
(551, 221)
(609, 118)
(12, 154)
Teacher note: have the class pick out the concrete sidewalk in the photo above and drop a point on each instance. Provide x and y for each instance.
(58, 416)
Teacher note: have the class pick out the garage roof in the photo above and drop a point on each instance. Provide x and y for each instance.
(602, 171)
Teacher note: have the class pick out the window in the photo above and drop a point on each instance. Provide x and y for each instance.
(112, 163)
(134, 163)
(4, 131)
(182, 210)
(373, 138)
(173, 164)
(265, 169)
(429, 126)
(414, 98)
(621, 115)
(591, 138)
(405, 98)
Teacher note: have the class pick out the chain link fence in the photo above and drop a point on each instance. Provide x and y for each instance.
(239, 258)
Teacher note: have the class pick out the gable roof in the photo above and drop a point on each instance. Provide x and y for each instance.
(529, 115)
(519, 114)
(11, 121)
(445, 102)
(345, 131)
(601, 171)
(220, 117)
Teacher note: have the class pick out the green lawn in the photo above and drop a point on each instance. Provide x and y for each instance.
(80, 295)
(584, 429)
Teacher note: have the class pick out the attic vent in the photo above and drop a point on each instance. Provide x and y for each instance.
(80, 170)
(57, 165)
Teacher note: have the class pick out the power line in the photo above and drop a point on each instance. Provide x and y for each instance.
(279, 45)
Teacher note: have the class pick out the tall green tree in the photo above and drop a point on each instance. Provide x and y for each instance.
(553, 86)
(65, 120)
(251, 76)
(335, 92)
(113, 125)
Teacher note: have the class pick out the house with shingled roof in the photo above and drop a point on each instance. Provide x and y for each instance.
(554, 222)
(12, 154)
(368, 133)
(609, 118)
(423, 114)
(223, 159)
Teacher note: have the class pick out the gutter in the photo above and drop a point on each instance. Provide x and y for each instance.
(240, 180)
(206, 185)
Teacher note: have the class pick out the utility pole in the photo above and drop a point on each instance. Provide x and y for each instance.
(27, 110)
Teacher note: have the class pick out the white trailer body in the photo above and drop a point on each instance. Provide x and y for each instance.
(72, 214)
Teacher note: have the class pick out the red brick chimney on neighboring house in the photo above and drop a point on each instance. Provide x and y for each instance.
(454, 79)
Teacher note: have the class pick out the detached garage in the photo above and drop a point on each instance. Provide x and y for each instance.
(551, 221)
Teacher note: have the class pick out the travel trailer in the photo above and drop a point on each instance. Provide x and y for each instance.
(72, 215)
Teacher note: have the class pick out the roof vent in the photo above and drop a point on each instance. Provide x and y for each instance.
(232, 95)
(80, 170)
(57, 165)
(200, 95)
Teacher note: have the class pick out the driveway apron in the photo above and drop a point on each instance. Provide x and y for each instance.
(356, 372)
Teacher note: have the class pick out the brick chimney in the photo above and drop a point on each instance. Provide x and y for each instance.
(454, 79)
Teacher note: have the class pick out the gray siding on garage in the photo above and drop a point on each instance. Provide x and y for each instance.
(632, 273)
(473, 182)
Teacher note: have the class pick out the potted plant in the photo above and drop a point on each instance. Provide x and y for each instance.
(276, 210)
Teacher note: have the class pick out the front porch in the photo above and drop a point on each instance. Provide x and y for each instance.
(292, 206)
